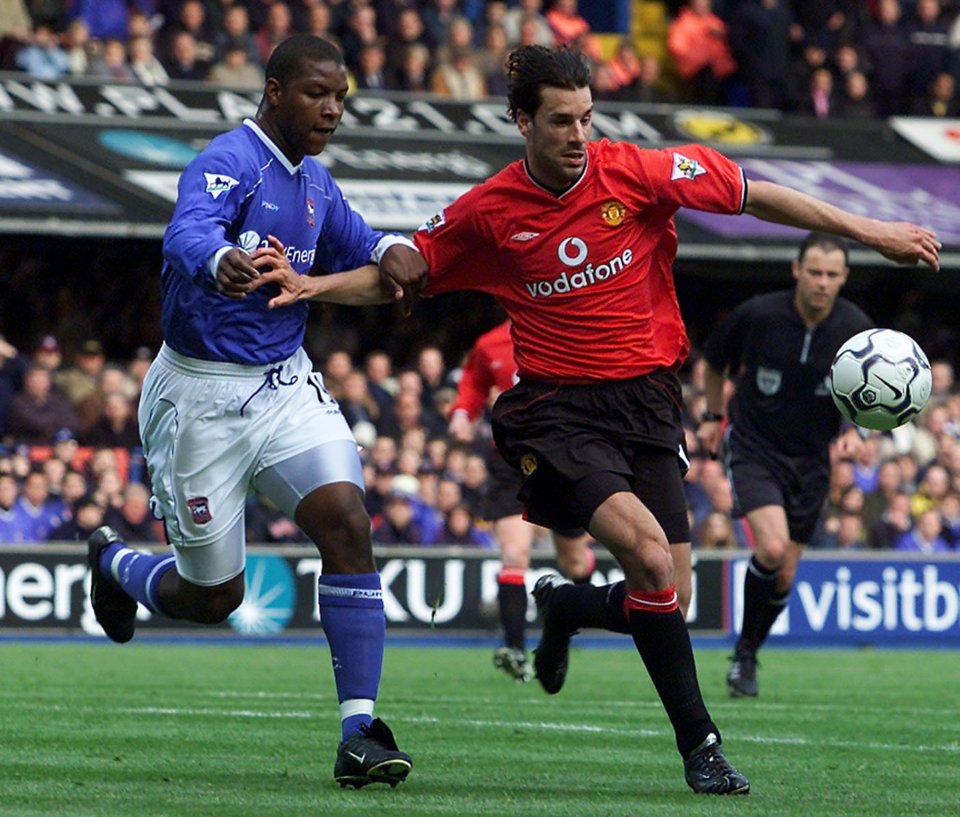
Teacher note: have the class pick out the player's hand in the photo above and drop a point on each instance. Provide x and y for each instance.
(235, 274)
(910, 244)
(273, 268)
(461, 428)
(710, 434)
(402, 274)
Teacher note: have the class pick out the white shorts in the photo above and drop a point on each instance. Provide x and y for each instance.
(214, 432)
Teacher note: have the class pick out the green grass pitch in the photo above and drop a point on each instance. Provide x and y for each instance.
(150, 729)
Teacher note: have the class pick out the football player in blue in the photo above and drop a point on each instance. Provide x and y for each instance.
(231, 404)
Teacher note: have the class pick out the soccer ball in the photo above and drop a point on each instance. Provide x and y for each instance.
(880, 379)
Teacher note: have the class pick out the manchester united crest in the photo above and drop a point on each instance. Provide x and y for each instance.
(528, 464)
(613, 213)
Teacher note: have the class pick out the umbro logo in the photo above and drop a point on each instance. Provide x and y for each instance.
(523, 236)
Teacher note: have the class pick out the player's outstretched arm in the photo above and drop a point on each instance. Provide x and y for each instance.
(900, 241)
(355, 287)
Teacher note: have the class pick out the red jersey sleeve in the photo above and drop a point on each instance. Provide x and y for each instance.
(476, 380)
(694, 176)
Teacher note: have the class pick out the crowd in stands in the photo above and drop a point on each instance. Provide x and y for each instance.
(830, 58)
(71, 459)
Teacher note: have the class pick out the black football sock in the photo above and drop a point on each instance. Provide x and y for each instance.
(663, 642)
(759, 587)
(587, 605)
(512, 598)
(776, 605)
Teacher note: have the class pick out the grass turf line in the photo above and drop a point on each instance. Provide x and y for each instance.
(146, 730)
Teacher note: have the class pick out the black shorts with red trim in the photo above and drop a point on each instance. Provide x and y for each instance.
(578, 444)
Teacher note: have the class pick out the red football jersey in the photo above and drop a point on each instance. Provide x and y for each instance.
(490, 365)
(586, 277)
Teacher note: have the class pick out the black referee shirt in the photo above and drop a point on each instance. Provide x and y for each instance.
(782, 370)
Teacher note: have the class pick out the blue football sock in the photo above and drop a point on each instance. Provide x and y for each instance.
(136, 572)
(351, 611)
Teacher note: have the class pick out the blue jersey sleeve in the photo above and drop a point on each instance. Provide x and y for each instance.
(212, 194)
(346, 240)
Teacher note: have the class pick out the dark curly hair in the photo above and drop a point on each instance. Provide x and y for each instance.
(531, 67)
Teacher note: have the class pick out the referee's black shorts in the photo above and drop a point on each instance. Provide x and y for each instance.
(578, 444)
(760, 476)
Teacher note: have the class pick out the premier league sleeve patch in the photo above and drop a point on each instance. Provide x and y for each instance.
(435, 221)
(218, 184)
(684, 168)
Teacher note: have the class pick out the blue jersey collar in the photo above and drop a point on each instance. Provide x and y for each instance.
(271, 146)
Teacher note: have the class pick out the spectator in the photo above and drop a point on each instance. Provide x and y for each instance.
(459, 78)
(192, 18)
(144, 65)
(370, 75)
(933, 487)
(950, 513)
(182, 62)
(942, 377)
(878, 499)
(75, 485)
(437, 16)
(39, 411)
(319, 22)
(277, 28)
(529, 12)
(846, 533)
(235, 70)
(570, 28)
(47, 354)
(410, 31)
(87, 516)
(111, 65)
(617, 77)
(398, 526)
(819, 100)
(828, 22)
(494, 16)
(939, 100)
(267, 524)
(117, 426)
(459, 528)
(79, 381)
(697, 41)
(78, 47)
(812, 57)
(108, 488)
(887, 45)
(356, 402)
(715, 532)
(15, 526)
(361, 30)
(42, 57)
(926, 536)
(137, 369)
(491, 60)
(414, 71)
(855, 101)
(929, 38)
(35, 506)
(893, 523)
(759, 34)
(236, 30)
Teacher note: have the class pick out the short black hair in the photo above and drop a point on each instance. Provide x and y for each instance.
(826, 242)
(531, 67)
(288, 57)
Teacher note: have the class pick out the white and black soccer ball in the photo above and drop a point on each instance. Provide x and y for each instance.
(880, 379)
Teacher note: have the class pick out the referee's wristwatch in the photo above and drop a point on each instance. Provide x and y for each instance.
(711, 417)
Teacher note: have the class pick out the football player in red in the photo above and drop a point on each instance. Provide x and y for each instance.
(577, 241)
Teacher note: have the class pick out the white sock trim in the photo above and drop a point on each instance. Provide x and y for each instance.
(115, 562)
(356, 706)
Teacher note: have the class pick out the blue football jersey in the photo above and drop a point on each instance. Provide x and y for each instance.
(236, 192)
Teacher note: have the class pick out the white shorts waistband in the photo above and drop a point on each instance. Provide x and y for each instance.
(218, 369)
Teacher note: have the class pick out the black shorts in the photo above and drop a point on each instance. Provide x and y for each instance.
(576, 445)
(503, 493)
(797, 484)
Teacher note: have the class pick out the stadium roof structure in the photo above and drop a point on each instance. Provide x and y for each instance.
(95, 159)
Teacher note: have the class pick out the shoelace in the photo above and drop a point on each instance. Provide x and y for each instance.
(272, 381)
